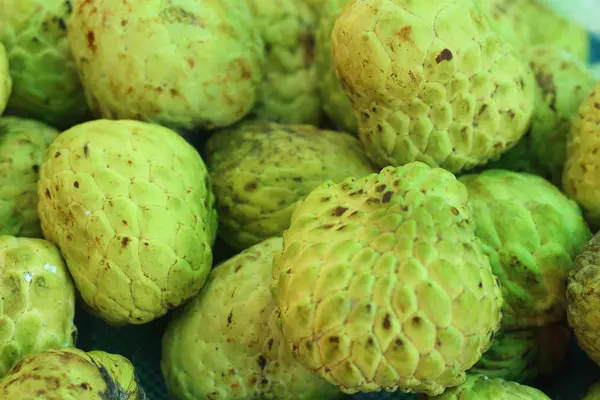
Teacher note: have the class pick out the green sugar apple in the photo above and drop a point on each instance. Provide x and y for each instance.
(480, 387)
(37, 300)
(261, 170)
(46, 86)
(5, 79)
(431, 82)
(593, 392)
(130, 206)
(531, 233)
(382, 283)
(184, 64)
(72, 374)
(22, 146)
(226, 343)
(288, 91)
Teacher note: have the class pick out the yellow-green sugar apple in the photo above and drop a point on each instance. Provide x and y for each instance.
(22, 146)
(531, 233)
(288, 91)
(37, 300)
(382, 283)
(593, 392)
(581, 174)
(480, 387)
(72, 374)
(431, 81)
(5, 79)
(226, 343)
(526, 354)
(261, 170)
(335, 101)
(46, 86)
(130, 206)
(184, 64)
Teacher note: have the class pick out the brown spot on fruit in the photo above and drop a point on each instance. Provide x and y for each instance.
(36, 168)
(339, 211)
(85, 150)
(325, 199)
(387, 323)
(85, 386)
(334, 339)
(445, 55)
(398, 342)
(124, 242)
(370, 341)
(91, 40)
(404, 33)
(250, 186)
(454, 210)
(48, 193)
(190, 62)
(262, 361)
(174, 93)
(546, 84)
(307, 43)
(482, 109)
(56, 154)
(76, 184)
(387, 197)
(270, 344)
(416, 321)
(380, 188)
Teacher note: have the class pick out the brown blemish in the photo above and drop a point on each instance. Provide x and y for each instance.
(307, 43)
(454, 210)
(380, 188)
(597, 106)
(387, 197)
(339, 211)
(546, 85)
(325, 199)
(124, 242)
(262, 361)
(334, 339)
(387, 324)
(369, 307)
(174, 93)
(370, 341)
(416, 321)
(124, 222)
(270, 344)
(56, 154)
(404, 33)
(237, 268)
(36, 168)
(482, 109)
(91, 40)
(445, 55)
(398, 342)
(327, 226)
(190, 62)
(48, 193)
(76, 184)
(412, 76)
(229, 318)
(85, 150)
(250, 186)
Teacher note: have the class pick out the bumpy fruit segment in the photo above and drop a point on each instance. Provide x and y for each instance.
(480, 387)
(5, 79)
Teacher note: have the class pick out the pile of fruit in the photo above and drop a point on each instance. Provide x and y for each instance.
(385, 198)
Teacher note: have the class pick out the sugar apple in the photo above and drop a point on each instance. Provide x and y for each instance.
(431, 81)
(336, 103)
(46, 86)
(261, 170)
(37, 300)
(382, 283)
(5, 79)
(70, 373)
(593, 392)
(526, 354)
(130, 206)
(184, 64)
(480, 387)
(22, 146)
(227, 344)
(581, 177)
(531, 233)
(288, 92)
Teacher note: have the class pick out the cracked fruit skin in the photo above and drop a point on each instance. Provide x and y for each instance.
(431, 82)
(382, 283)
(37, 300)
(72, 374)
(5, 79)
(335, 102)
(261, 170)
(581, 176)
(46, 86)
(227, 344)
(185, 65)
(524, 355)
(480, 387)
(288, 91)
(22, 146)
(130, 206)
(531, 233)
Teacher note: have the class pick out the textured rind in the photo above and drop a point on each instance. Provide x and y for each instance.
(130, 206)
(5, 79)
(46, 86)
(72, 374)
(593, 392)
(583, 301)
(581, 177)
(227, 344)
(382, 283)
(187, 64)
(288, 91)
(531, 233)
(22, 146)
(336, 103)
(431, 82)
(261, 170)
(480, 387)
(37, 300)
(524, 355)
(530, 23)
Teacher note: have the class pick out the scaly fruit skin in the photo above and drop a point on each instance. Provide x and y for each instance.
(288, 91)
(480, 387)
(382, 283)
(185, 65)
(46, 86)
(226, 344)
(563, 82)
(130, 206)
(431, 81)
(22, 146)
(5, 79)
(531, 233)
(581, 177)
(37, 300)
(336, 103)
(72, 374)
(524, 355)
(260, 171)
(530, 23)
(593, 392)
